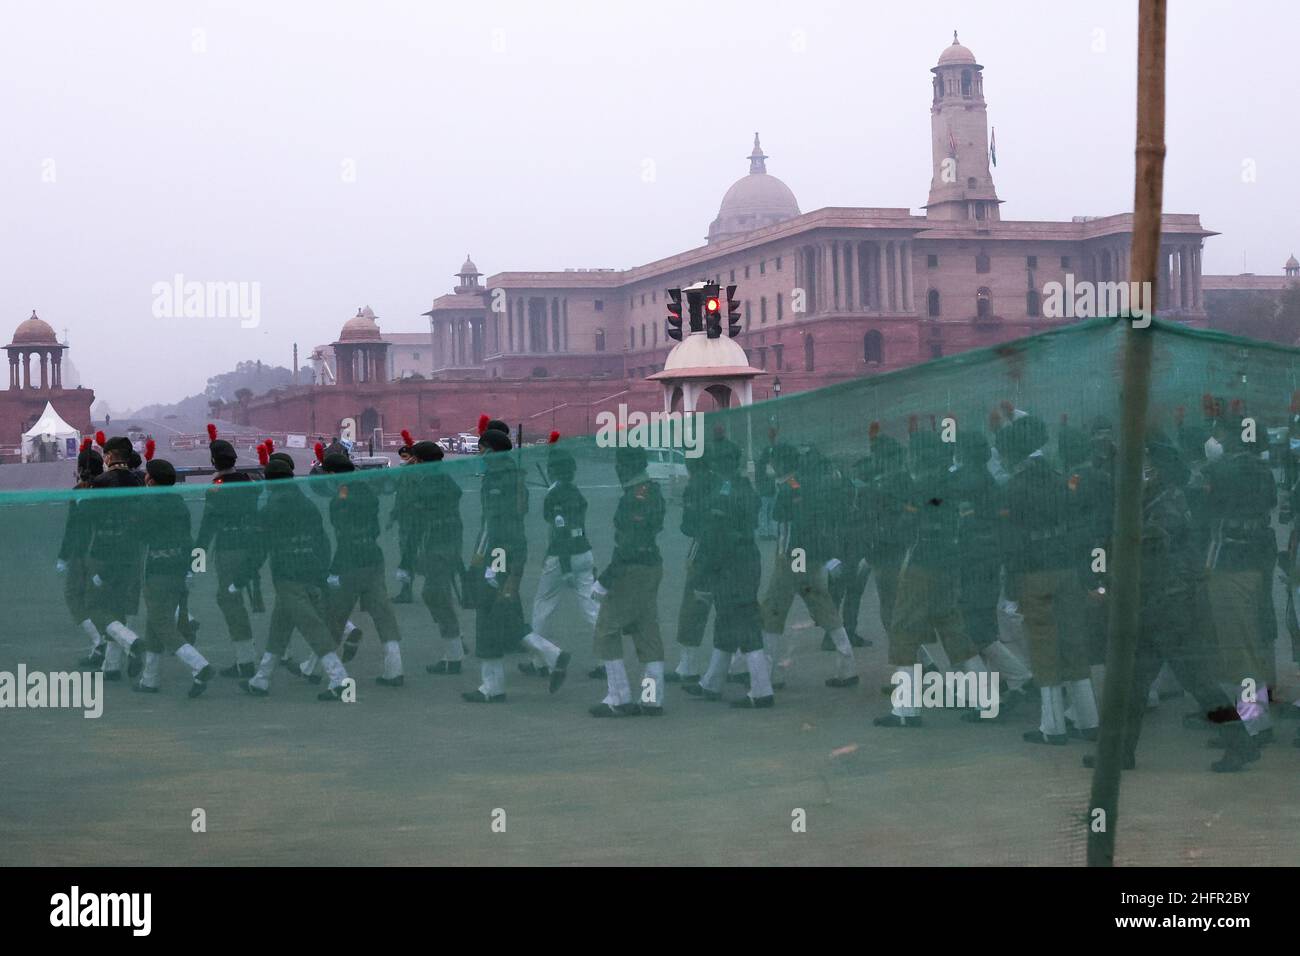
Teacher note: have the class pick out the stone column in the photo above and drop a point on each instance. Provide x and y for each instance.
(909, 304)
(882, 273)
(1176, 281)
(898, 276)
(45, 368)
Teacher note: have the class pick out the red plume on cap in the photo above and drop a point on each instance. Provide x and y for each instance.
(319, 448)
(407, 440)
(1238, 406)
(85, 443)
(100, 439)
(150, 446)
(554, 437)
(270, 446)
(995, 420)
(911, 424)
(483, 423)
(1207, 405)
(1009, 409)
(263, 455)
(873, 430)
(212, 432)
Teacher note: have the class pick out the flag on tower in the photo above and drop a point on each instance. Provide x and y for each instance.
(993, 145)
(952, 143)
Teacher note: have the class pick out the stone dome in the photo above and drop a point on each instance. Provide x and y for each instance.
(468, 269)
(699, 352)
(754, 201)
(1293, 263)
(34, 331)
(362, 327)
(956, 54)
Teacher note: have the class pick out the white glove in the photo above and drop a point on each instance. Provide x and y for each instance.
(403, 576)
(705, 596)
(189, 580)
(97, 581)
(559, 521)
(333, 581)
(833, 567)
(598, 592)
(60, 566)
(491, 577)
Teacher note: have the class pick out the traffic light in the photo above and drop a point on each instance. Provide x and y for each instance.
(674, 328)
(733, 312)
(695, 301)
(712, 310)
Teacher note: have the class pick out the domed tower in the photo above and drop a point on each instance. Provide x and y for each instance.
(361, 353)
(961, 185)
(34, 338)
(1292, 267)
(753, 201)
(468, 276)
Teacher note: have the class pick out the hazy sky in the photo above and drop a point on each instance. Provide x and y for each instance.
(349, 154)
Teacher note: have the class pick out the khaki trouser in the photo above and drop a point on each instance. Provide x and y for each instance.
(1048, 599)
(632, 605)
(162, 596)
(1234, 596)
(298, 605)
(439, 571)
(811, 587)
(231, 573)
(927, 605)
(366, 585)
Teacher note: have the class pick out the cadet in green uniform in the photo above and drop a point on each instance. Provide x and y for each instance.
(431, 503)
(229, 513)
(852, 581)
(693, 615)
(728, 568)
(979, 500)
(805, 541)
(114, 557)
(928, 582)
(356, 575)
(401, 516)
(497, 566)
(165, 530)
(291, 533)
(628, 589)
(71, 562)
(884, 503)
(1240, 495)
(1039, 555)
(569, 564)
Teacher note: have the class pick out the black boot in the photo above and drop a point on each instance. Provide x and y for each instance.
(404, 595)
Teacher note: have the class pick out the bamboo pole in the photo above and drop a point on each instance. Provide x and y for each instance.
(1125, 583)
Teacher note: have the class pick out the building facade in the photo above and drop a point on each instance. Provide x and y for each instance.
(36, 376)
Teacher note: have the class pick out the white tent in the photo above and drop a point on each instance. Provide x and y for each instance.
(51, 438)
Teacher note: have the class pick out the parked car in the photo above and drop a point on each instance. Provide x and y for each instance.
(667, 466)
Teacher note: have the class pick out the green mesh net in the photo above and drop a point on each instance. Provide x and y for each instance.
(865, 625)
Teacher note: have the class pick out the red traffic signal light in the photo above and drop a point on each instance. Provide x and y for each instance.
(711, 305)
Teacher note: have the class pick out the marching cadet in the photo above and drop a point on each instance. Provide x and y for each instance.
(356, 574)
(929, 580)
(1240, 494)
(569, 565)
(290, 531)
(431, 507)
(165, 530)
(71, 562)
(114, 558)
(693, 616)
(628, 589)
(229, 515)
(1169, 580)
(728, 568)
(978, 500)
(401, 517)
(1041, 566)
(885, 498)
(497, 566)
(852, 582)
(802, 564)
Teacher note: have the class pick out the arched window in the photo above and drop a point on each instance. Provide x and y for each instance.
(873, 348)
(983, 303)
(600, 340)
(932, 303)
(808, 361)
